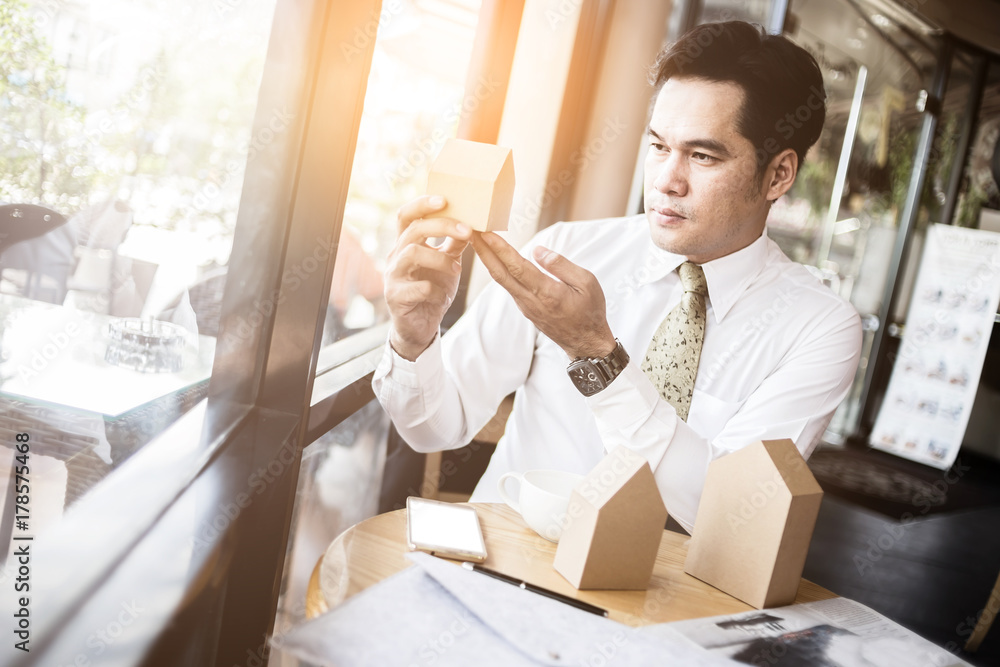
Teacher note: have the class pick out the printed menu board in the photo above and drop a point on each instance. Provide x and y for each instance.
(936, 374)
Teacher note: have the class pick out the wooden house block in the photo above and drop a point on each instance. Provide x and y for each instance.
(755, 521)
(478, 182)
(614, 524)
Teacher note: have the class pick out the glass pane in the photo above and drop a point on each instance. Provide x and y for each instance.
(125, 130)
(875, 158)
(415, 100)
(752, 11)
(339, 484)
(979, 195)
(874, 69)
(978, 205)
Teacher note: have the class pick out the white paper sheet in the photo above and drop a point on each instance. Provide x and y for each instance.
(439, 614)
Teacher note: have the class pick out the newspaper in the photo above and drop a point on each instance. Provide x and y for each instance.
(831, 633)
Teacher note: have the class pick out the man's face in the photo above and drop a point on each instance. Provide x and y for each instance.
(704, 198)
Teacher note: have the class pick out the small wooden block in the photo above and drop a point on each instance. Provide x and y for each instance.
(478, 182)
(755, 521)
(614, 523)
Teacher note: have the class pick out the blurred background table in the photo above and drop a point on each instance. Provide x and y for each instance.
(54, 355)
(83, 415)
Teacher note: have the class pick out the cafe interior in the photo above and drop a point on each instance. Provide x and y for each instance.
(198, 201)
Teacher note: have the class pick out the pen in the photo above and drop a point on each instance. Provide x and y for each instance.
(524, 585)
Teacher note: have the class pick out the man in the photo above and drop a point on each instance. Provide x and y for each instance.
(778, 350)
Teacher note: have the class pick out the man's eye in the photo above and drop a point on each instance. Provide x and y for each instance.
(658, 147)
(701, 157)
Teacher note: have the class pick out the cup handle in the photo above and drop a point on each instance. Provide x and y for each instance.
(513, 504)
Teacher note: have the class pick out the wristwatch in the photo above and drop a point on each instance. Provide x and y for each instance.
(591, 375)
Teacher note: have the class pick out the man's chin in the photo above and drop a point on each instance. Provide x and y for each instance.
(667, 240)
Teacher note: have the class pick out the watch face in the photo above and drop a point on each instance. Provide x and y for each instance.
(585, 377)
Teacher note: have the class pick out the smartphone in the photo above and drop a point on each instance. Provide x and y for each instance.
(444, 529)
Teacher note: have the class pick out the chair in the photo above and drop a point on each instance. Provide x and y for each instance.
(451, 476)
(20, 222)
(42, 259)
(64, 436)
(205, 297)
(104, 225)
(102, 229)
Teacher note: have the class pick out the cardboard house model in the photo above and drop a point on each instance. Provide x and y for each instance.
(614, 524)
(755, 521)
(478, 182)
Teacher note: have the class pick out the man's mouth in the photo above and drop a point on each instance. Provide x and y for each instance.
(667, 215)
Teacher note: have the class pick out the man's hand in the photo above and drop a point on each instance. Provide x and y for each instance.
(571, 310)
(421, 279)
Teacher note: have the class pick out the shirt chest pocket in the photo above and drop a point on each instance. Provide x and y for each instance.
(710, 414)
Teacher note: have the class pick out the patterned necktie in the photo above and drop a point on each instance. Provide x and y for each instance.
(671, 361)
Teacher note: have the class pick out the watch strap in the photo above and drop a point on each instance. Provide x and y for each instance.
(612, 365)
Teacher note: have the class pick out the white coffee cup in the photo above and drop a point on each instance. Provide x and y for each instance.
(542, 500)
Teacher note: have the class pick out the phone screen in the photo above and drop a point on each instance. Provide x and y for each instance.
(444, 529)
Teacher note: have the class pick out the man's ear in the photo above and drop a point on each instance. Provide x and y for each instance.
(781, 174)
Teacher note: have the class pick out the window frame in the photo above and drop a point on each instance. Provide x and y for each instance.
(274, 389)
(154, 510)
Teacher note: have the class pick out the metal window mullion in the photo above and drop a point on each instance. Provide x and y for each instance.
(338, 82)
(776, 17)
(270, 182)
(317, 214)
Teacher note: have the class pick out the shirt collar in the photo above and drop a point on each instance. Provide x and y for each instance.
(727, 277)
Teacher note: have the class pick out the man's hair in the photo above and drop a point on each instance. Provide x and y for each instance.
(784, 100)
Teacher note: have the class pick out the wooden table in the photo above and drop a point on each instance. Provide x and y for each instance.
(376, 548)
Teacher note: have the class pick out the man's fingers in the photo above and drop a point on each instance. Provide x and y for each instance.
(415, 225)
(560, 267)
(531, 289)
(454, 247)
(498, 270)
(414, 259)
(421, 293)
(519, 268)
(421, 231)
(421, 207)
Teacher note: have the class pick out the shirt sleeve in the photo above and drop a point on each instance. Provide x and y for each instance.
(441, 400)
(796, 400)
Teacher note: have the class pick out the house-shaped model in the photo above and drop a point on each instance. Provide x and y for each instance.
(614, 524)
(755, 521)
(477, 180)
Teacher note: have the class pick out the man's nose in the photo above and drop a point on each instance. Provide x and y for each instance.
(671, 177)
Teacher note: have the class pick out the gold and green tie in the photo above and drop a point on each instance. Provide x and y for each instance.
(671, 361)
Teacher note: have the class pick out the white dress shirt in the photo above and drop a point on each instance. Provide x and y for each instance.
(779, 354)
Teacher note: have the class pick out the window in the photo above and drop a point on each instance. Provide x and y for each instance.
(840, 217)
(195, 520)
(129, 123)
(415, 100)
